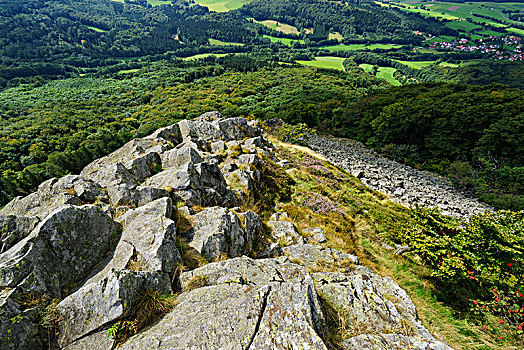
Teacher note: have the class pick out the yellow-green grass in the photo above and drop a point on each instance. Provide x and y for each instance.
(366, 67)
(280, 27)
(426, 50)
(422, 64)
(440, 38)
(464, 26)
(517, 31)
(325, 62)
(216, 42)
(386, 73)
(488, 21)
(97, 29)
(489, 32)
(416, 9)
(371, 219)
(285, 41)
(204, 55)
(127, 71)
(359, 47)
(336, 36)
(222, 5)
(158, 2)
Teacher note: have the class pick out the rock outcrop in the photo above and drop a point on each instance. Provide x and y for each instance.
(99, 241)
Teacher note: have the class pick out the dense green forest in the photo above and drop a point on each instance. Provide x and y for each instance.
(357, 21)
(472, 134)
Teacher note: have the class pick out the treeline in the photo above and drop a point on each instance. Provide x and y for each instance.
(59, 127)
(56, 39)
(472, 134)
(363, 21)
(478, 72)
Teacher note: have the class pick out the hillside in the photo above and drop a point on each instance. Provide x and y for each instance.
(199, 231)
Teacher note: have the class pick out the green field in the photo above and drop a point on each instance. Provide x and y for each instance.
(441, 38)
(366, 67)
(285, 41)
(386, 73)
(355, 47)
(126, 71)
(325, 62)
(216, 42)
(204, 55)
(96, 29)
(158, 2)
(517, 31)
(489, 32)
(222, 5)
(463, 26)
(422, 64)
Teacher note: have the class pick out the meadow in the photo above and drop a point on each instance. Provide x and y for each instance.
(216, 42)
(285, 41)
(221, 5)
(325, 62)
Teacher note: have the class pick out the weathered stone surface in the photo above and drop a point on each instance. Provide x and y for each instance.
(13, 229)
(94, 341)
(200, 130)
(291, 317)
(200, 184)
(219, 231)
(148, 241)
(361, 296)
(53, 193)
(18, 328)
(112, 298)
(285, 232)
(315, 235)
(236, 129)
(177, 157)
(144, 166)
(391, 342)
(271, 250)
(60, 251)
(215, 317)
(315, 255)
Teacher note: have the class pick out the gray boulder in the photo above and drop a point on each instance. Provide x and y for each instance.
(177, 157)
(392, 342)
(97, 304)
(148, 241)
(311, 255)
(215, 317)
(236, 129)
(13, 229)
(315, 235)
(59, 252)
(285, 232)
(200, 130)
(18, 327)
(219, 231)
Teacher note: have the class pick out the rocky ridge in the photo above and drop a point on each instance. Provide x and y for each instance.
(403, 184)
(97, 241)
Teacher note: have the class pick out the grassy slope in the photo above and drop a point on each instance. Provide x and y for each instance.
(370, 219)
(325, 62)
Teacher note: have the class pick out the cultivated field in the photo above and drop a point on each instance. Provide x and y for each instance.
(285, 41)
(216, 42)
(281, 27)
(325, 62)
(222, 5)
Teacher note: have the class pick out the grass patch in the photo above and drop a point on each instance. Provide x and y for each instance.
(386, 73)
(221, 5)
(285, 41)
(158, 2)
(280, 27)
(325, 62)
(216, 42)
(99, 30)
(204, 55)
